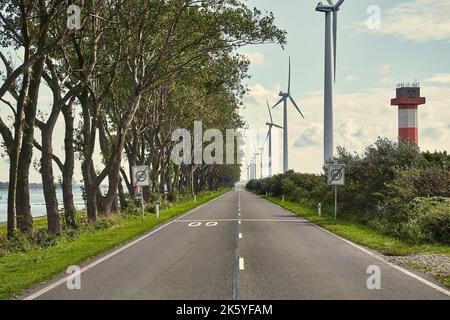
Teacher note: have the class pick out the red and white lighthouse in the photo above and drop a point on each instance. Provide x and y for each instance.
(408, 101)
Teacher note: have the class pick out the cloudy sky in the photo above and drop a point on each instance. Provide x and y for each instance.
(411, 41)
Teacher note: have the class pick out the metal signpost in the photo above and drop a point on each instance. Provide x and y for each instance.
(336, 177)
(141, 179)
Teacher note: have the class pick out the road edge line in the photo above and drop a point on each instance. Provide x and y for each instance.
(115, 252)
(377, 256)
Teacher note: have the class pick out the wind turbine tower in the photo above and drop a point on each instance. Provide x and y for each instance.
(284, 98)
(330, 54)
(261, 153)
(271, 124)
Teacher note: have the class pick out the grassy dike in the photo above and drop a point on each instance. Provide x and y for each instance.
(22, 270)
(364, 235)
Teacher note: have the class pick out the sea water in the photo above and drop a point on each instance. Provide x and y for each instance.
(37, 202)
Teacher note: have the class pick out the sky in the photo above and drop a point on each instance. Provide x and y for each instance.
(410, 41)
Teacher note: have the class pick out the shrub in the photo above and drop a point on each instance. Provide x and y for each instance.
(429, 220)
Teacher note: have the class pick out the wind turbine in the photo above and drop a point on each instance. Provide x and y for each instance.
(269, 136)
(284, 98)
(328, 85)
(261, 153)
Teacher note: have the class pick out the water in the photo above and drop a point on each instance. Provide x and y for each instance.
(38, 202)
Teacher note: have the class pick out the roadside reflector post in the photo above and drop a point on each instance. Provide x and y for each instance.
(157, 204)
(319, 209)
(195, 198)
(282, 198)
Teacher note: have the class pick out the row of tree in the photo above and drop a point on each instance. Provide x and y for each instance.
(133, 73)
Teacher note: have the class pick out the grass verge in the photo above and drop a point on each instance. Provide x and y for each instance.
(19, 271)
(368, 237)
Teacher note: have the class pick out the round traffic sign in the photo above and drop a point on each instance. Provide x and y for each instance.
(141, 176)
(336, 174)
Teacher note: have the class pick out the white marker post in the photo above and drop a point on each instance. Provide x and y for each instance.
(336, 177)
(141, 179)
(157, 204)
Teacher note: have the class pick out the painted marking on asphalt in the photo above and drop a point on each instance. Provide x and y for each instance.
(240, 235)
(212, 224)
(112, 254)
(240, 221)
(248, 220)
(241, 263)
(398, 268)
(195, 224)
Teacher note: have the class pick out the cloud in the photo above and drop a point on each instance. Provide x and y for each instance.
(384, 70)
(359, 119)
(418, 20)
(351, 78)
(441, 78)
(256, 58)
(310, 137)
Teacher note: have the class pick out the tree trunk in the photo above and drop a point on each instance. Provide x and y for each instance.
(69, 163)
(90, 190)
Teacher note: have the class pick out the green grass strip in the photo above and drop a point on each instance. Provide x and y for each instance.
(23, 270)
(361, 234)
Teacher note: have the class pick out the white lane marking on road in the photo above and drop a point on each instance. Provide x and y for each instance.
(195, 224)
(241, 263)
(112, 254)
(398, 268)
(240, 221)
(212, 224)
(249, 220)
(240, 235)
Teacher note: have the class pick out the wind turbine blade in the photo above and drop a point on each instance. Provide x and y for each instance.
(289, 80)
(296, 106)
(277, 126)
(338, 4)
(270, 112)
(268, 134)
(335, 40)
(281, 100)
(330, 2)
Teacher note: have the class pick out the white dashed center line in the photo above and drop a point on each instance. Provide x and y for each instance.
(240, 235)
(241, 263)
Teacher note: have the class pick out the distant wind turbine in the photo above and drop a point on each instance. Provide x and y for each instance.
(328, 86)
(284, 98)
(269, 136)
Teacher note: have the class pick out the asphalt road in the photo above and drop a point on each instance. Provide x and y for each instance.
(239, 246)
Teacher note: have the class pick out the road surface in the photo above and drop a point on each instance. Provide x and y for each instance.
(239, 246)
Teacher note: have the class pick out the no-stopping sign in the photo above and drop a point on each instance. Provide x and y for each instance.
(140, 176)
(336, 175)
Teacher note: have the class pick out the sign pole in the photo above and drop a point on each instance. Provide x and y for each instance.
(335, 202)
(142, 204)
